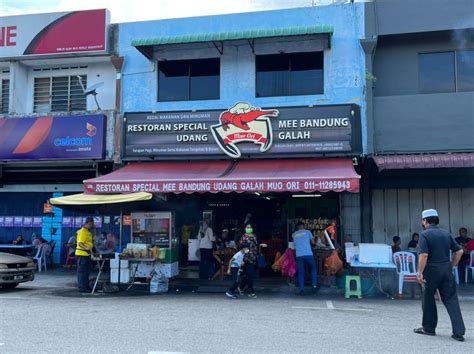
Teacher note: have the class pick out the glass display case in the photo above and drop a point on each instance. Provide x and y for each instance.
(153, 228)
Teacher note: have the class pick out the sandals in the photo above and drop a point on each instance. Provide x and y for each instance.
(421, 330)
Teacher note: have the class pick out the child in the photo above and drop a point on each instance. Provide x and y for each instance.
(396, 244)
(235, 265)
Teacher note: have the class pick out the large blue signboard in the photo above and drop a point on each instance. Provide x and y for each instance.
(52, 138)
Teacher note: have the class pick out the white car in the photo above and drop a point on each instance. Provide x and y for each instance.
(15, 270)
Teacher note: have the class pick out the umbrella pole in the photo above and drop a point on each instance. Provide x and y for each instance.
(121, 228)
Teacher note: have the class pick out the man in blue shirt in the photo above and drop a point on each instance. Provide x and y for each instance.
(303, 239)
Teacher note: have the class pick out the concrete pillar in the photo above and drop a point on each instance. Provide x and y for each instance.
(19, 97)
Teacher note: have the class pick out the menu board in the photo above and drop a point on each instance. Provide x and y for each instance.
(152, 228)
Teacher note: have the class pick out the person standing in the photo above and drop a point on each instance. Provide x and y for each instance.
(250, 260)
(84, 248)
(186, 231)
(462, 241)
(435, 273)
(303, 239)
(206, 239)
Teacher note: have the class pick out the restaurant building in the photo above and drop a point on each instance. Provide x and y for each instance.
(420, 116)
(254, 113)
(57, 116)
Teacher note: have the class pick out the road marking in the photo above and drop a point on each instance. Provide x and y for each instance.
(329, 305)
(330, 309)
(19, 298)
(159, 352)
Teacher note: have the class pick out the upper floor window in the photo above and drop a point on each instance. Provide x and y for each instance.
(59, 94)
(465, 70)
(4, 95)
(187, 80)
(446, 71)
(290, 74)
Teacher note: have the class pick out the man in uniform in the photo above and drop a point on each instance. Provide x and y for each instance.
(435, 272)
(84, 248)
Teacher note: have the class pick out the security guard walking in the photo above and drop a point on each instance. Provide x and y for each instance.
(435, 272)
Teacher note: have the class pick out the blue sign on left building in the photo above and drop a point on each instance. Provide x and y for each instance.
(53, 138)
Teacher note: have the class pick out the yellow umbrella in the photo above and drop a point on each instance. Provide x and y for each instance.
(99, 199)
(102, 203)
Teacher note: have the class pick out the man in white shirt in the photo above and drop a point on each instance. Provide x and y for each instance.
(206, 239)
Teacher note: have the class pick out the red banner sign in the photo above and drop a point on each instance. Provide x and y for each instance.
(54, 33)
(239, 186)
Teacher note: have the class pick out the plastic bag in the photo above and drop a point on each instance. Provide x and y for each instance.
(159, 283)
(333, 264)
(289, 264)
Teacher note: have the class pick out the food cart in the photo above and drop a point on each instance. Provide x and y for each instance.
(152, 250)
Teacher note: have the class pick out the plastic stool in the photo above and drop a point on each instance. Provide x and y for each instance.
(358, 291)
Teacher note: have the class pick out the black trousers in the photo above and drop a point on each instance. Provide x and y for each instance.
(439, 276)
(205, 263)
(84, 265)
(249, 276)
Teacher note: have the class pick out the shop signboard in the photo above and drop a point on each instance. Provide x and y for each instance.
(18, 221)
(8, 221)
(78, 221)
(244, 131)
(54, 33)
(28, 221)
(37, 221)
(67, 221)
(98, 221)
(53, 138)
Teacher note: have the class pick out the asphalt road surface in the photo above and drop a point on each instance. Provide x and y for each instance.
(47, 321)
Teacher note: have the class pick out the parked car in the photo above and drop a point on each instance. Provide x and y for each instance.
(15, 270)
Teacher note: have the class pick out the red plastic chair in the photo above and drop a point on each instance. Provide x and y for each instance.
(71, 260)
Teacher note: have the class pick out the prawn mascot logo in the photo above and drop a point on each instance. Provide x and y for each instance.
(244, 123)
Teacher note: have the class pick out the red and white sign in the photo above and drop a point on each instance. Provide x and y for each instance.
(54, 33)
(303, 175)
(228, 186)
(244, 123)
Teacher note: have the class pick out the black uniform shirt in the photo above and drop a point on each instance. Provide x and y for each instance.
(437, 243)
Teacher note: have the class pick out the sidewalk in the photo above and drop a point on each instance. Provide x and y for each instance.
(62, 281)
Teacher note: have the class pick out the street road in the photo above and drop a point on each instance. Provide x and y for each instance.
(47, 321)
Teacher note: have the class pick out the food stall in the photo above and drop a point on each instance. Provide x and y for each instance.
(152, 250)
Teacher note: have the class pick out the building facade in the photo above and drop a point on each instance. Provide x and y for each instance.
(420, 116)
(58, 109)
(186, 81)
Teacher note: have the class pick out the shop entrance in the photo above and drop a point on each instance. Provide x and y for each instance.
(273, 216)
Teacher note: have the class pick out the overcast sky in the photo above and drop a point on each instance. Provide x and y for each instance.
(140, 10)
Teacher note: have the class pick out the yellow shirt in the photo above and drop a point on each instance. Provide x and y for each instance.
(84, 236)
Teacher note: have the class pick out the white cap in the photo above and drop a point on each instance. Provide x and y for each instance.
(429, 212)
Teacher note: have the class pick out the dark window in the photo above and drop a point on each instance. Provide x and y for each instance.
(436, 72)
(184, 80)
(465, 70)
(4, 95)
(290, 74)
